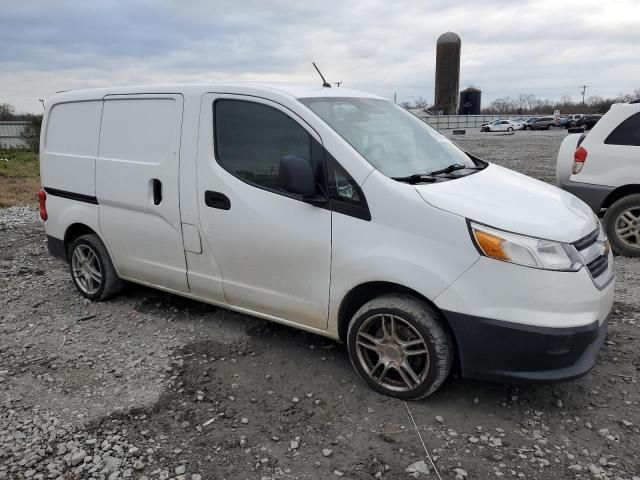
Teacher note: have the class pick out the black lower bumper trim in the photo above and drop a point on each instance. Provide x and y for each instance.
(592, 195)
(56, 247)
(510, 352)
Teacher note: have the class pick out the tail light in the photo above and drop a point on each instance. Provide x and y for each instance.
(42, 203)
(579, 157)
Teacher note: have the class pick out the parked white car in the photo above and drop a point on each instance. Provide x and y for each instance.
(499, 126)
(333, 211)
(518, 123)
(602, 167)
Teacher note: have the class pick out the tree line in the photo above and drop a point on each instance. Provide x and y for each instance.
(525, 104)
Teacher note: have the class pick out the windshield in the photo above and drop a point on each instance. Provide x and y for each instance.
(393, 140)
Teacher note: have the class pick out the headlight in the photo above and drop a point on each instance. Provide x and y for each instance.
(522, 250)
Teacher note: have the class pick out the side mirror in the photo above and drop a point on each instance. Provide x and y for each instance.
(296, 176)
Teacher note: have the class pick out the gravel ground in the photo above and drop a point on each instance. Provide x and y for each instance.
(154, 386)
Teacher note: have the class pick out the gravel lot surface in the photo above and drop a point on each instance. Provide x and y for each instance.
(154, 386)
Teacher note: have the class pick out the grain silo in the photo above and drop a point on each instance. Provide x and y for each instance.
(470, 101)
(447, 73)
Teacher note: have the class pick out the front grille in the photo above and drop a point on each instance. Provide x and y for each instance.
(598, 266)
(595, 255)
(587, 241)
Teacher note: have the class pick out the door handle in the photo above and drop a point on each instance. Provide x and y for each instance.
(157, 191)
(216, 200)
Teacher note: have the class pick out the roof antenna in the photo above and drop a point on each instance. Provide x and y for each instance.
(324, 82)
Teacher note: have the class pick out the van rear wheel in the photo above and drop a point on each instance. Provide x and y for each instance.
(91, 269)
(398, 345)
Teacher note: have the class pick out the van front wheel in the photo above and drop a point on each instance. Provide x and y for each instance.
(399, 347)
(91, 268)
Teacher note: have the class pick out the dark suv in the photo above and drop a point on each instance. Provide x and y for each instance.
(542, 123)
(588, 121)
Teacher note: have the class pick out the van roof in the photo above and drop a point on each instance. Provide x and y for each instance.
(295, 90)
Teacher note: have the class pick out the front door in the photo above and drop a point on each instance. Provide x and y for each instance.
(273, 250)
(137, 187)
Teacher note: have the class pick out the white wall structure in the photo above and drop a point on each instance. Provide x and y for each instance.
(10, 134)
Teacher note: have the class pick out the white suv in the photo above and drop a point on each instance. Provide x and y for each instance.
(602, 167)
(334, 211)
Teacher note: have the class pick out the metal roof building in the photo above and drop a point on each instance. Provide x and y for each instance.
(10, 134)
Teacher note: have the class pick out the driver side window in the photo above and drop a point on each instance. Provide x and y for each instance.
(251, 138)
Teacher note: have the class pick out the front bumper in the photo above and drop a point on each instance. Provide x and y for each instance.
(510, 352)
(513, 323)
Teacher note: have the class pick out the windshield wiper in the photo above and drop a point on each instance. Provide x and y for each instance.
(430, 177)
(416, 178)
(453, 167)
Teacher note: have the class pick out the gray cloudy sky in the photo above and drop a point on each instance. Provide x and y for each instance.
(544, 47)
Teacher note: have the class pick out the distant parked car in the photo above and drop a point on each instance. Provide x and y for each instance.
(588, 121)
(542, 123)
(518, 122)
(528, 121)
(601, 168)
(570, 120)
(499, 126)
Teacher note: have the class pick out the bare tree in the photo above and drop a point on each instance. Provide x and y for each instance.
(6, 111)
(421, 103)
(31, 133)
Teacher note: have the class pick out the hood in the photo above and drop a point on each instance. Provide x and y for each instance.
(508, 200)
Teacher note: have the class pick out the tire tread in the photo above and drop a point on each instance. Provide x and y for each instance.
(429, 317)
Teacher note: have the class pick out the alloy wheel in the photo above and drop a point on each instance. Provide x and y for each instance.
(392, 352)
(86, 269)
(627, 227)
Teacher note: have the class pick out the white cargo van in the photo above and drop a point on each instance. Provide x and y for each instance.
(333, 211)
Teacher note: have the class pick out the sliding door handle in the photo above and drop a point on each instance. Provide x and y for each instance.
(217, 200)
(157, 191)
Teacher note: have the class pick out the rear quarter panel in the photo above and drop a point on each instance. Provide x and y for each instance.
(564, 162)
(69, 146)
(606, 164)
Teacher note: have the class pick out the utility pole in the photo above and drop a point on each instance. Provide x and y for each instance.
(584, 89)
(338, 83)
(395, 97)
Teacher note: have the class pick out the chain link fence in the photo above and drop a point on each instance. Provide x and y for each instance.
(450, 122)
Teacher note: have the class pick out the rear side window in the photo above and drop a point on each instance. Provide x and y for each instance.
(627, 133)
(141, 130)
(73, 128)
(251, 138)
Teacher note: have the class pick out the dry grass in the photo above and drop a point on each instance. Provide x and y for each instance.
(19, 177)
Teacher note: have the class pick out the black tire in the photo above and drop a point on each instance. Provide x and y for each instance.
(509, 129)
(426, 322)
(110, 284)
(610, 219)
(548, 127)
